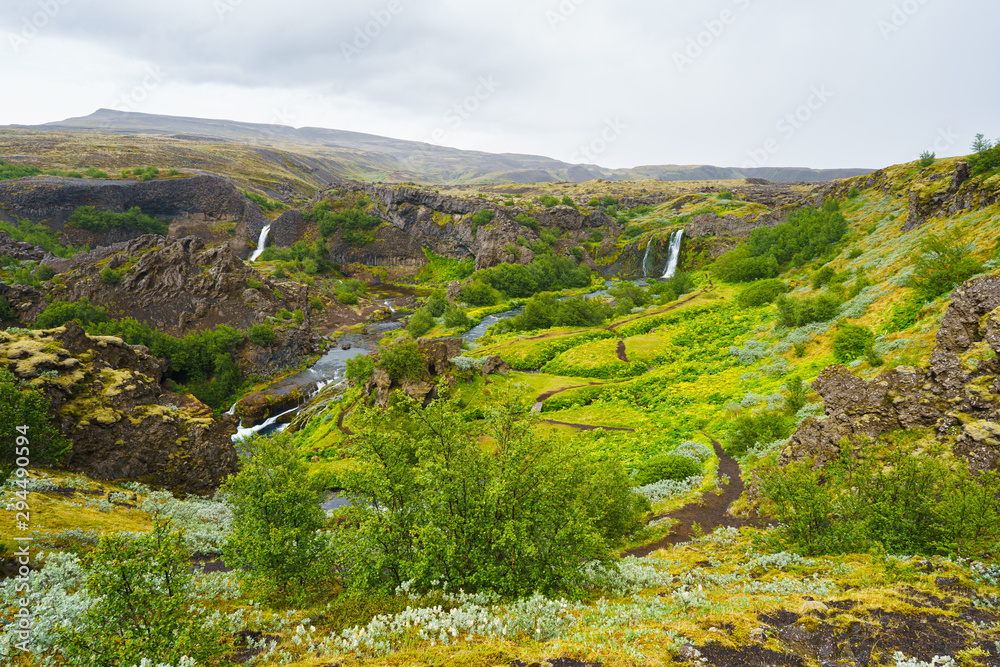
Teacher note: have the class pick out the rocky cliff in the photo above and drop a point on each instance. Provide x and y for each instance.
(106, 397)
(957, 395)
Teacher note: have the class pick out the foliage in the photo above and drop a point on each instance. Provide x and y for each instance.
(942, 264)
(90, 219)
(798, 395)
(41, 442)
(528, 221)
(456, 318)
(749, 430)
(263, 202)
(7, 311)
(402, 360)
(852, 341)
(262, 334)
(544, 274)
(987, 156)
(927, 159)
(139, 587)
(420, 323)
(110, 276)
(482, 218)
(58, 313)
(761, 293)
(666, 467)
(726, 195)
(794, 312)
(903, 504)
(354, 224)
(9, 171)
(311, 259)
(545, 311)
(39, 235)
(479, 293)
(360, 369)
(519, 517)
(808, 233)
(548, 201)
(276, 542)
(350, 291)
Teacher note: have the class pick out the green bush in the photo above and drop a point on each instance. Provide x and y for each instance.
(545, 274)
(664, 467)
(354, 224)
(987, 156)
(262, 334)
(94, 172)
(545, 311)
(763, 428)
(927, 159)
(110, 276)
(23, 406)
(141, 605)
(360, 369)
(44, 272)
(482, 218)
(41, 236)
(347, 298)
(548, 201)
(456, 318)
(942, 264)
(852, 341)
(58, 313)
(263, 202)
(90, 219)
(822, 277)
(528, 221)
(520, 516)
(277, 544)
(726, 195)
(798, 395)
(420, 323)
(479, 294)
(402, 360)
(9, 171)
(437, 303)
(761, 293)
(794, 312)
(7, 311)
(568, 201)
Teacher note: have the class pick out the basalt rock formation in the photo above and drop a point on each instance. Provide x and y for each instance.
(958, 394)
(107, 398)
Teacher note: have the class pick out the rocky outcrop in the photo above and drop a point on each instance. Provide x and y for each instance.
(203, 198)
(390, 247)
(175, 285)
(20, 250)
(107, 398)
(958, 394)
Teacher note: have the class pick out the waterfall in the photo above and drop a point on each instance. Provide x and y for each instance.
(261, 243)
(645, 259)
(675, 254)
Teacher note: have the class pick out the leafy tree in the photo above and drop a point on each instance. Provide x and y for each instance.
(360, 369)
(89, 218)
(852, 341)
(942, 264)
(440, 509)
(420, 323)
(58, 313)
(927, 159)
(437, 303)
(762, 428)
(262, 334)
(666, 466)
(800, 312)
(761, 293)
(479, 293)
(21, 405)
(987, 156)
(402, 360)
(276, 542)
(822, 277)
(140, 587)
(456, 318)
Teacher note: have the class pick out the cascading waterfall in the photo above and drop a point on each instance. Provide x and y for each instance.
(675, 254)
(645, 259)
(261, 243)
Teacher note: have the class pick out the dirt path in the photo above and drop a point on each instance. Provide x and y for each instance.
(587, 427)
(711, 511)
(621, 352)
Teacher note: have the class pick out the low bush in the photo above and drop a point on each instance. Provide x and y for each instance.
(420, 323)
(90, 219)
(360, 369)
(58, 313)
(794, 312)
(942, 264)
(110, 276)
(23, 406)
(761, 293)
(479, 294)
(262, 334)
(666, 467)
(749, 430)
(402, 360)
(852, 341)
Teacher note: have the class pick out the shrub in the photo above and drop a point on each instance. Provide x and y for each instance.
(927, 159)
(854, 192)
(666, 467)
(942, 264)
(58, 313)
(632, 231)
(852, 341)
(479, 293)
(7, 311)
(139, 586)
(45, 272)
(354, 224)
(726, 195)
(798, 395)
(276, 542)
(854, 254)
(262, 334)
(456, 318)
(22, 405)
(110, 276)
(94, 172)
(568, 201)
(987, 156)
(90, 219)
(577, 253)
(360, 369)
(420, 323)
(822, 277)
(800, 312)
(528, 221)
(437, 303)
(482, 218)
(402, 360)
(761, 293)
(749, 430)
(39, 235)
(520, 516)
(9, 171)
(548, 201)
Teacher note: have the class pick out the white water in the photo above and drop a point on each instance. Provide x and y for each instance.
(261, 243)
(243, 432)
(645, 259)
(675, 254)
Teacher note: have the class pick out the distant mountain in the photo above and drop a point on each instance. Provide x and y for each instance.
(370, 157)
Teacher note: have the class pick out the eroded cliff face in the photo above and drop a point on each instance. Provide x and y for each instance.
(192, 204)
(107, 399)
(958, 394)
(175, 285)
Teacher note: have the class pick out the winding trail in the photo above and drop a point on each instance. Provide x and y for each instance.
(587, 427)
(711, 511)
(622, 356)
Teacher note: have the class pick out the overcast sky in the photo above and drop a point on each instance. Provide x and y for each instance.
(851, 83)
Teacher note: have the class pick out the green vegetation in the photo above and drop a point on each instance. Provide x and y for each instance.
(761, 293)
(942, 264)
(25, 429)
(262, 334)
(354, 224)
(90, 219)
(852, 341)
(58, 313)
(265, 203)
(516, 518)
(545, 274)
(360, 369)
(927, 159)
(9, 171)
(402, 360)
(751, 430)
(309, 259)
(350, 291)
(794, 312)
(808, 233)
(545, 311)
(110, 276)
(41, 236)
(666, 467)
(987, 156)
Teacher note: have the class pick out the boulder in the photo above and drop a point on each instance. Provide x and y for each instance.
(495, 365)
(438, 351)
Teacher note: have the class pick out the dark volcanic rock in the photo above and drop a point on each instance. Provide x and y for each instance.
(20, 250)
(959, 393)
